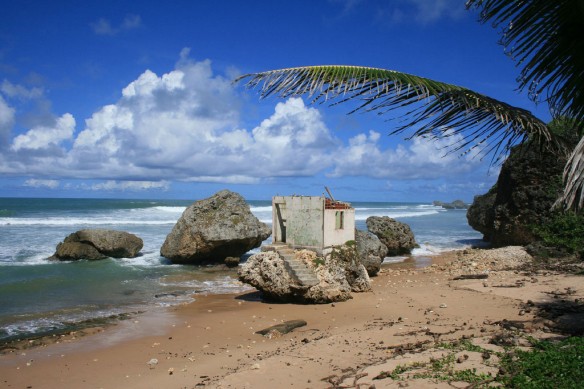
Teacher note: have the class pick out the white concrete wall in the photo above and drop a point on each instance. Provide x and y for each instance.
(298, 221)
(303, 222)
(333, 235)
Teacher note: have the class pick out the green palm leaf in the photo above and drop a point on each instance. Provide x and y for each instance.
(573, 196)
(434, 109)
(546, 39)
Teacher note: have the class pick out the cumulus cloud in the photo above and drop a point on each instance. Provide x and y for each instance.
(184, 125)
(419, 159)
(46, 137)
(36, 183)
(104, 26)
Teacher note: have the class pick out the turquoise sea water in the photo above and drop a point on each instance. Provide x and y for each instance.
(39, 296)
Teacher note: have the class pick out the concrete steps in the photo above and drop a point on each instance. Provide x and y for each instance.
(298, 269)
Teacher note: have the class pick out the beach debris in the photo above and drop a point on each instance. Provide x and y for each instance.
(471, 277)
(443, 305)
(282, 328)
(171, 371)
(152, 363)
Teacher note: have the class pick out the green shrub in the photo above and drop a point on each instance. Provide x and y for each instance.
(564, 230)
(548, 365)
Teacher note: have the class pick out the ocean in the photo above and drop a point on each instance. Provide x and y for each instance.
(41, 297)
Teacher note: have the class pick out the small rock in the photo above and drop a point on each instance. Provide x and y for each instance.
(153, 362)
(231, 261)
(443, 305)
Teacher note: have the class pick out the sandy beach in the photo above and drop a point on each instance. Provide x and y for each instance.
(407, 320)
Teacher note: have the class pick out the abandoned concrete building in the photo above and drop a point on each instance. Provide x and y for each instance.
(312, 222)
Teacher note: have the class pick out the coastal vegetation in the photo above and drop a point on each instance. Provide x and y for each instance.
(548, 364)
(564, 230)
(546, 40)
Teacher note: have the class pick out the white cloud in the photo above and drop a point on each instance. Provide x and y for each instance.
(226, 179)
(36, 183)
(6, 121)
(104, 26)
(419, 159)
(184, 125)
(293, 141)
(18, 91)
(45, 137)
(133, 186)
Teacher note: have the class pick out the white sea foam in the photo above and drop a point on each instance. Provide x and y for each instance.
(217, 285)
(359, 216)
(170, 209)
(60, 221)
(267, 208)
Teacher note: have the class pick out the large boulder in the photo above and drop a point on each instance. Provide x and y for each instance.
(529, 183)
(96, 244)
(213, 229)
(371, 251)
(481, 214)
(396, 236)
(337, 277)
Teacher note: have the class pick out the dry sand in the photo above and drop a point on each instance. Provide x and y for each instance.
(407, 318)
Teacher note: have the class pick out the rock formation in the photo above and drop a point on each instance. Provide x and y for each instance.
(529, 183)
(396, 236)
(96, 244)
(337, 276)
(456, 204)
(371, 251)
(213, 229)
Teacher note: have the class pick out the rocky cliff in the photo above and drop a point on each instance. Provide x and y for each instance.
(529, 183)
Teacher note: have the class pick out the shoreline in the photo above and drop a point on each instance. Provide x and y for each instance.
(211, 342)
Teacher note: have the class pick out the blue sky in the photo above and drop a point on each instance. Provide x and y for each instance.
(129, 99)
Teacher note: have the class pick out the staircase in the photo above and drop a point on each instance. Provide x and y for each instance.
(297, 269)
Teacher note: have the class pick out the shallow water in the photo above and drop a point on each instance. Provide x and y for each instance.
(37, 295)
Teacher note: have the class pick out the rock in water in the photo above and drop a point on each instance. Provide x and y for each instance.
(95, 244)
(371, 251)
(396, 236)
(215, 228)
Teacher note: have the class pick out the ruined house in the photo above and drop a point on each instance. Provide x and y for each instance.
(312, 222)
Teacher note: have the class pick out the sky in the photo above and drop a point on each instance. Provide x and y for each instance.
(135, 99)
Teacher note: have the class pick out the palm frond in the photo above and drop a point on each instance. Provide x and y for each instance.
(573, 196)
(434, 109)
(546, 38)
